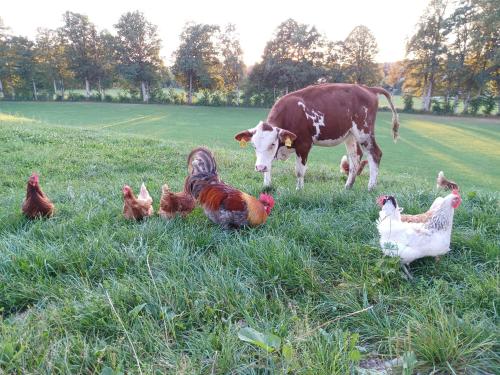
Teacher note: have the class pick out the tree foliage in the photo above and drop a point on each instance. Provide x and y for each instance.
(232, 58)
(138, 51)
(358, 57)
(291, 60)
(197, 64)
(455, 54)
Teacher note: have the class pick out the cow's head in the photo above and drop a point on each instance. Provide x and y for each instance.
(266, 140)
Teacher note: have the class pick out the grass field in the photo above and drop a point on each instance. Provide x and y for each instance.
(88, 292)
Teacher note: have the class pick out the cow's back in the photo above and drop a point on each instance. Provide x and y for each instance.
(331, 106)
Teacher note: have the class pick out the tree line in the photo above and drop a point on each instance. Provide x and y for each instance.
(452, 57)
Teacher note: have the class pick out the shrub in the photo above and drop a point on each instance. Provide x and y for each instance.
(76, 97)
(158, 96)
(44, 96)
(123, 98)
(475, 104)
(436, 106)
(95, 97)
(205, 98)
(232, 98)
(178, 97)
(489, 104)
(448, 106)
(408, 103)
(217, 99)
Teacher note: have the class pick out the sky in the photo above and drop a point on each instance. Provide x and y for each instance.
(391, 21)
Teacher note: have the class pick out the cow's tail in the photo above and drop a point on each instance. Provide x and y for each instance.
(395, 117)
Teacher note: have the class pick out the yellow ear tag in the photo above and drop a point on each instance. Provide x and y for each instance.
(288, 142)
(243, 143)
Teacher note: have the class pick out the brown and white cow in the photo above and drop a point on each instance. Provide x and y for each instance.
(323, 115)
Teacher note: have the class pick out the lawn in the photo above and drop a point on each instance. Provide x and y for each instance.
(88, 292)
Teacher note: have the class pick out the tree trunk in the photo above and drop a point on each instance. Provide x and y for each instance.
(87, 88)
(466, 102)
(35, 93)
(62, 89)
(144, 90)
(427, 97)
(190, 93)
(101, 91)
(55, 88)
(455, 104)
(1, 89)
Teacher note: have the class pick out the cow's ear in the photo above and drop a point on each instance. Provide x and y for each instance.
(244, 136)
(285, 134)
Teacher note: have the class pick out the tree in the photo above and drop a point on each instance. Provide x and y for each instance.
(3, 54)
(196, 60)
(51, 61)
(358, 57)
(80, 38)
(333, 62)
(106, 67)
(294, 58)
(138, 51)
(232, 58)
(426, 51)
(394, 75)
(485, 45)
(20, 71)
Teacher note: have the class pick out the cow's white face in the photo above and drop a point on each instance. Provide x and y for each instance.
(265, 139)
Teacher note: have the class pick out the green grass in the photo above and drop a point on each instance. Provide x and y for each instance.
(468, 150)
(184, 288)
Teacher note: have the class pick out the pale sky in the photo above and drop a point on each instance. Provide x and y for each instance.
(391, 21)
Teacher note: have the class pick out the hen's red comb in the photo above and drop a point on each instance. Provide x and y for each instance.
(34, 178)
(381, 200)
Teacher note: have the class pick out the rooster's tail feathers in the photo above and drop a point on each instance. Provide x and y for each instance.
(202, 170)
(201, 161)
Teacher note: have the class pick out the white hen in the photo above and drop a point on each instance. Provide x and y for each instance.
(412, 237)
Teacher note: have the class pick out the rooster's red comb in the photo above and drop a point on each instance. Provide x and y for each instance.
(266, 198)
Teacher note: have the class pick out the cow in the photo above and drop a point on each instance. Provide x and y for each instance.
(323, 115)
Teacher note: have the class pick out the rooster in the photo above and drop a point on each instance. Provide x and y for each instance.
(175, 203)
(416, 236)
(137, 208)
(443, 183)
(344, 166)
(222, 203)
(36, 204)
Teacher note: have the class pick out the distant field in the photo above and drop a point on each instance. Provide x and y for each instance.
(467, 149)
(87, 292)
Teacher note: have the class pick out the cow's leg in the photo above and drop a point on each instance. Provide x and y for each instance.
(300, 171)
(374, 155)
(300, 164)
(267, 178)
(352, 153)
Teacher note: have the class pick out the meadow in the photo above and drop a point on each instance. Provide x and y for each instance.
(88, 292)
